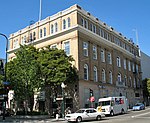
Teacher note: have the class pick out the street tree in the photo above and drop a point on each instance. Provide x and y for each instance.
(148, 86)
(56, 67)
(24, 74)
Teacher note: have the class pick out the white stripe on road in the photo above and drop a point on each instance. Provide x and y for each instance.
(140, 114)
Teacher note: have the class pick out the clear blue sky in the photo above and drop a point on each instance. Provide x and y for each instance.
(122, 15)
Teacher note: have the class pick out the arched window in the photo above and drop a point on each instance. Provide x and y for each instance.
(86, 72)
(103, 76)
(69, 23)
(44, 31)
(95, 74)
(52, 29)
(56, 27)
(110, 77)
(64, 24)
(40, 33)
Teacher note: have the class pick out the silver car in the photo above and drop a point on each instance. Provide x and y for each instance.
(85, 114)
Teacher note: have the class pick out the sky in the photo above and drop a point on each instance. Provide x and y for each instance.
(125, 16)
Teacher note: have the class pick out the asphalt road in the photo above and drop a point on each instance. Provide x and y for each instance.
(142, 116)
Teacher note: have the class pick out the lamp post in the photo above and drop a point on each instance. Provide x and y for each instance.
(63, 100)
(5, 77)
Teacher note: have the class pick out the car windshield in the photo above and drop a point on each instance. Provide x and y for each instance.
(138, 104)
(104, 103)
(80, 111)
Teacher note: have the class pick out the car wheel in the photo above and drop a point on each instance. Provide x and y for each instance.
(98, 117)
(79, 119)
(122, 111)
(112, 113)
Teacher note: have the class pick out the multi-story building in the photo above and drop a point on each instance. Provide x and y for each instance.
(108, 63)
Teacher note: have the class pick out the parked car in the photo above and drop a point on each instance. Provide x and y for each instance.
(85, 114)
(138, 106)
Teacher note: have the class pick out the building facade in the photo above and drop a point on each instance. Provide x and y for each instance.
(108, 63)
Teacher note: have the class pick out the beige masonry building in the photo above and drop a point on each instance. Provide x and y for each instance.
(108, 63)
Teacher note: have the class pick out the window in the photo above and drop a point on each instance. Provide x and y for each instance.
(102, 56)
(82, 22)
(133, 67)
(85, 48)
(94, 52)
(110, 77)
(23, 40)
(56, 27)
(44, 31)
(134, 83)
(130, 81)
(34, 36)
(69, 23)
(118, 62)
(40, 33)
(129, 65)
(137, 68)
(95, 74)
(64, 24)
(124, 64)
(86, 72)
(67, 47)
(94, 28)
(119, 77)
(125, 80)
(15, 43)
(109, 58)
(91, 27)
(52, 29)
(86, 24)
(30, 38)
(103, 76)
(54, 46)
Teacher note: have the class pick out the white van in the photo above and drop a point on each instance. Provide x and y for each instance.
(113, 105)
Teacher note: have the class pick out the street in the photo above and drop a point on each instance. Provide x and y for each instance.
(142, 116)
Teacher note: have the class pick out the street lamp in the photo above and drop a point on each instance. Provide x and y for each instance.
(63, 100)
(5, 78)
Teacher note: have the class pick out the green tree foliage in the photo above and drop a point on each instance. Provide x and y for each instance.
(148, 86)
(34, 69)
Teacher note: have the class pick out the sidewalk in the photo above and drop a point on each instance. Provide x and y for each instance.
(30, 119)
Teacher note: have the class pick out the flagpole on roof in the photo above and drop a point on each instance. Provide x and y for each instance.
(40, 11)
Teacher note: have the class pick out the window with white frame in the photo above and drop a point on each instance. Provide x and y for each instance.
(67, 47)
(94, 28)
(85, 48)
(119, 77)
(64, 24)
(103, 75)
(110, 77)
(109, 58)
(56, 27)
(41, 33)
(133, 67)
(118, 62)
(95, 74)
(86, 72)
(52, 28)
(102, 55)
(44, 31)
(129, 65)
(125, 63)
(54, 46)
(69, 23)
(91, 27)
(15, 43)
(94, 52)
